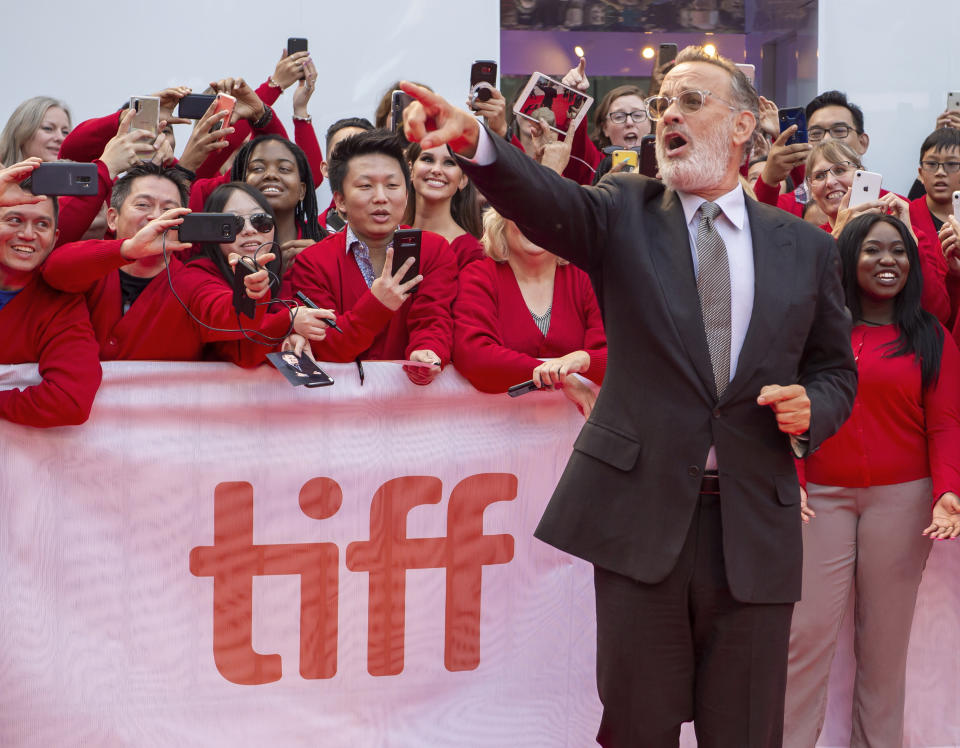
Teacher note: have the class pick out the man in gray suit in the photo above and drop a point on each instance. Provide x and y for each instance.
(729, 352)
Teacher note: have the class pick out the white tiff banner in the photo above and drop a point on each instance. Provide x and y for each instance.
(217, 558)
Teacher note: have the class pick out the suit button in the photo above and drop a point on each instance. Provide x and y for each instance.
(693, 471)
(716, 412)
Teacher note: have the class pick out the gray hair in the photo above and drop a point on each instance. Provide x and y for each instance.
(21, 126)
(744, 95)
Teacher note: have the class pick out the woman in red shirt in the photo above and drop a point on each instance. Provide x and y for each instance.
(870, 488)
(521, 305)
(443, 200)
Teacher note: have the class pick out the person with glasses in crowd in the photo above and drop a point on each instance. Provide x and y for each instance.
(206, 284)
(729, 353)
(620, 123)
(830, 117)
(871, 488)
(831, 166)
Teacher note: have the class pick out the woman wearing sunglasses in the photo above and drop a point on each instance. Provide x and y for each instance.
(208, 284)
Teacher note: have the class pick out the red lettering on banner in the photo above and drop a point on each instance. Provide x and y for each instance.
(233, 560)
(465, 550)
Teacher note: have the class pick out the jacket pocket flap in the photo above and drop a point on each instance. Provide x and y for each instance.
(608, 446)
(788, 489)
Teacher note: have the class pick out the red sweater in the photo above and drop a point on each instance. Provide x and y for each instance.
(87, 140)
(938, 286)
(78, 212)
(155, 328)
(496, 342)
(329, 276)
(898, 431)
(466, 248)
(210, 297)
(53, 329)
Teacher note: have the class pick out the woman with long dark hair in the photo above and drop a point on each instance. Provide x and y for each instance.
(442, 199)
(870, 488)
(207, 284)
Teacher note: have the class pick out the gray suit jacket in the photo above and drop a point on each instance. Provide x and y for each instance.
(627, 496)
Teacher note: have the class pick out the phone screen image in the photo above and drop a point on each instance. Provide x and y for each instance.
(550, 100)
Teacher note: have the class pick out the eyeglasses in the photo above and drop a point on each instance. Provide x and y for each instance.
(262, 222)
(619, 118)
(838, 171)
(931, 167)
(690, 102)
(837, 132)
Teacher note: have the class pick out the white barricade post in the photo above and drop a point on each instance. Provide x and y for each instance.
(216, 558)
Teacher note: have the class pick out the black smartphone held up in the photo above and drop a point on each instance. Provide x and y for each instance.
(794, 115)
(64, 178)
(406, 243)
(398, 102)
(522, 389)
(194, 106)
(483, 78)
(241, 302)
(296, 44)
(209, 227)
(648, 156)
(666, 53)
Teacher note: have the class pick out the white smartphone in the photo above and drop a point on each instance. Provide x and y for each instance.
(748, 70)
(147, 114)
(548, 99)
(866, 187)
(956, 205)
(953, 100)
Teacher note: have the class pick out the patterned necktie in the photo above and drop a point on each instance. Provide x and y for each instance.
(713, 285)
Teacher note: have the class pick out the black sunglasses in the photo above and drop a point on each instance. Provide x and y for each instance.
(262, 222)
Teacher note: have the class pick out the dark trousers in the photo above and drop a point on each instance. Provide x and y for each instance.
(684, 650)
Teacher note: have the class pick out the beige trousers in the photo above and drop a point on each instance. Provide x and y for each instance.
(869, 538)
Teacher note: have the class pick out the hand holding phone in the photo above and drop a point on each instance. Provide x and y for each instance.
(398, 102)
(147, 114)
(483, 78)
(794, 116)
(223, 103)
(406, 244)
(631, 159)
(865, 188)
(65, 178)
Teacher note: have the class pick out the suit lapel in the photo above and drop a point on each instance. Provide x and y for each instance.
(774, 258)
(670, 254)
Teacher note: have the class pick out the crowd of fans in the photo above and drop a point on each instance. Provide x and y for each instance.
(105, 277)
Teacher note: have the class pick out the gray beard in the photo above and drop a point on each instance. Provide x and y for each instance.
(704, 167)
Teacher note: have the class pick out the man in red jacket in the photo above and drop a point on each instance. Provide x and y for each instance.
(125, 280)
(352, 271)
(38, 324)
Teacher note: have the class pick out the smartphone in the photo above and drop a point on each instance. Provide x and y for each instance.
(406, 243)
(241, 302)
(64, 178)
(483, 77)
(194, 106)
(866, 187)
(223, 103)
(748, 70)
(956, 205)
(147, 114)
(522, 389)
(398, 102)
(296, 44)
(631, 158)
(546, 98)
(648, 156)
(666, 53)
(209, 227)
(794, 115)
(953, 100)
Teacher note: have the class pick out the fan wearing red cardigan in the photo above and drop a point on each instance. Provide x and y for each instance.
(352, 271)
(134, 314)
(520, 305)
(39, 324)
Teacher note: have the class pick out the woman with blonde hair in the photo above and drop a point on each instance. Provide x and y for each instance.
(36, 128)
(523, 313)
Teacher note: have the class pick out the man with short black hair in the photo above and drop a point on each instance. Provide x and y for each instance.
(330, 219)
(37, 323)
(352, 272)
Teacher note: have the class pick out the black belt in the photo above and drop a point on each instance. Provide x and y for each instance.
(710, 484)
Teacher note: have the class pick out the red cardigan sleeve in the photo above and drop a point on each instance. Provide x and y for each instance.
(88, 139)
(429, 321)
(316, 274)
(69, 363)
(201, 188)
(241, 129)
(306, 137)
(941, 407)
(77, 212)
(77, 267)
(766, 193)
(478, 350)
